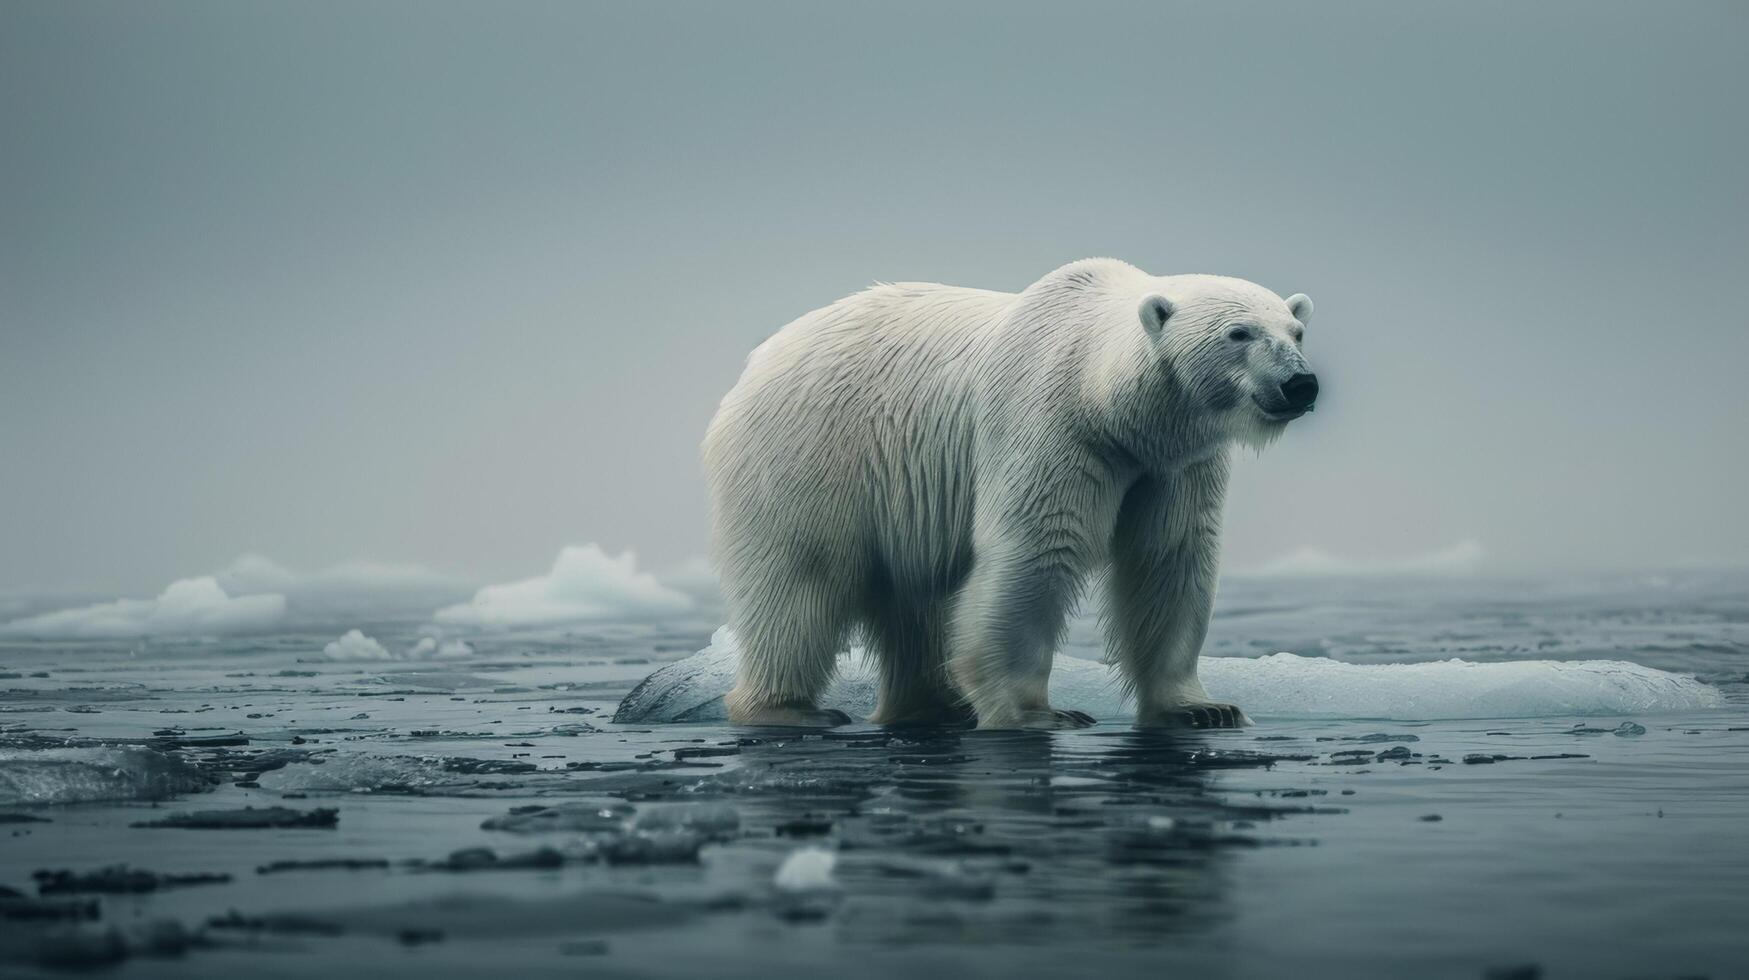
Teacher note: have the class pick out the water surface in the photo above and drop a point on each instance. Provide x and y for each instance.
(1586, 845)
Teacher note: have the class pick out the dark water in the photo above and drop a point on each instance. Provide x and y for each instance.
(1584, 846)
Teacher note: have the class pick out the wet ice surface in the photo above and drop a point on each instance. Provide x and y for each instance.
(491, 817)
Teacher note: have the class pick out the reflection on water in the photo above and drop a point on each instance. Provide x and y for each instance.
(1121, 836)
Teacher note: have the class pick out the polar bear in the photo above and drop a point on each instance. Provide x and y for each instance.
(943, 469)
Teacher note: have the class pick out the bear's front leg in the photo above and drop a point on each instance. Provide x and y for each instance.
(1029, 556)
(1165, 560)
(1007, 622)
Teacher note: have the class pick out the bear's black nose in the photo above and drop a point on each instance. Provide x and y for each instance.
(1300, 391)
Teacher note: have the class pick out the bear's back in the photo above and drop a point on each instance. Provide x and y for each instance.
(890, 350)
(919, 325)
(848, 418)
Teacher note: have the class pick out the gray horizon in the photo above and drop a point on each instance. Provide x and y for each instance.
(459, 285)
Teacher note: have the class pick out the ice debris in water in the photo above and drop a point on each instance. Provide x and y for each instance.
(117, 879)
(360, 772)
(1281, 685)
(85, 775)
(709, 820)
(563, 818)
(807, 869)
(248, 818)
(619, 834)
(486, 859)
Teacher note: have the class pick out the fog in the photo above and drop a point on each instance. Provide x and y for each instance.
(455, 286)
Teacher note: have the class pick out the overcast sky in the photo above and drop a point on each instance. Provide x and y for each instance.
(461, 284)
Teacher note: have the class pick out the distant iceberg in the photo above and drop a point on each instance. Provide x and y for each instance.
(188, 607)
(1282, 685)
(356, 646)
(586, 584)
(1462, 558)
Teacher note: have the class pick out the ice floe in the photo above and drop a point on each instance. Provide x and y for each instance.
(1281, 685)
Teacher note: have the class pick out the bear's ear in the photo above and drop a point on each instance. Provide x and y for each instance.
(1154, 312)
(1300, 305)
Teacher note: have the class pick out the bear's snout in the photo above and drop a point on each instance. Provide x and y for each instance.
(1300, 391)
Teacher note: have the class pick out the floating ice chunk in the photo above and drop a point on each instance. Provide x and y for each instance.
(85, 775)
(1278, 686)
(356, 646)
(360, 772)
(807, 869)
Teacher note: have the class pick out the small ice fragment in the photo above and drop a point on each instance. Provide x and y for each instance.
(807, 869)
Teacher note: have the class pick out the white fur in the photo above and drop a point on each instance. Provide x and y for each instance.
(943, 469)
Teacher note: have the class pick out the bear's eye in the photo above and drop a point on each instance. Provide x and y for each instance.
(1239, 334)
(1298, 334)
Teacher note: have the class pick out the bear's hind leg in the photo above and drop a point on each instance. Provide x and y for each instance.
(909, 644)
(790, 633)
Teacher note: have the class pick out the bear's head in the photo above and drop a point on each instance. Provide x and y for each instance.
(1234, 349)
